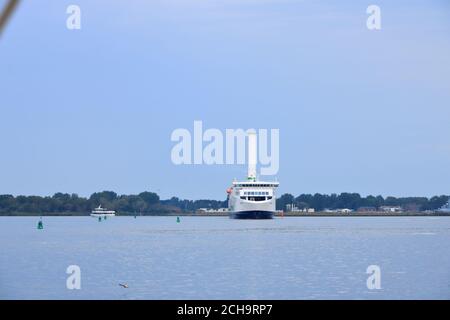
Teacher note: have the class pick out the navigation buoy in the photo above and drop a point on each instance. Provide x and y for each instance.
(104, 218)
(99, 219)
(40, 224)
(135, 216)
(178, 219)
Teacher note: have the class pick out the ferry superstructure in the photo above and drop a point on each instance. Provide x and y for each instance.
(252, 199)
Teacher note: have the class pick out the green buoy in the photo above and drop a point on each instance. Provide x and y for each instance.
(40, 225)
(99, 219)
(104, 218)
(178, 219)
(135, 216)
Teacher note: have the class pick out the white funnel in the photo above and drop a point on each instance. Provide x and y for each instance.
(252, 154)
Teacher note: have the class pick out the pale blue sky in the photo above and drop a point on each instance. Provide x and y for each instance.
(358, 110)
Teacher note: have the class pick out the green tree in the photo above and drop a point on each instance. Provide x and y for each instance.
(150, 198)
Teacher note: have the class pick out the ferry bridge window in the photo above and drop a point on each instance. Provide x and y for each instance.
(257, 198)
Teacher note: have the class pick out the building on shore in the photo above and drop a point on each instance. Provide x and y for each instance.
(343, 210)
(212, 211)
(367, 209)
(294, 209)
(391, 209)
(291, 208)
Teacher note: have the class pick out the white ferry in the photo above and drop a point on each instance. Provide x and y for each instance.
(102, 212)
(252, 199)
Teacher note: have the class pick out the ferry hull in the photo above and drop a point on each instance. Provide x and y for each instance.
(255, 214)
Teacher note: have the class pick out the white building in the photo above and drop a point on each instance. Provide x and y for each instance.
(391, 209)
(291, 207)
(209, 210)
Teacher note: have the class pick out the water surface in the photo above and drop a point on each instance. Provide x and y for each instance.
(221, 258)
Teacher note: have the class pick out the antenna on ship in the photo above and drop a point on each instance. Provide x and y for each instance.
(252, 155)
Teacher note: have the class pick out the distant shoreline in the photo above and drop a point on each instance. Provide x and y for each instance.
(362, 214)
(149, 203)
(224, 214)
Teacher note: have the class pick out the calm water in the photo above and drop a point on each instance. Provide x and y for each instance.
(219, 258)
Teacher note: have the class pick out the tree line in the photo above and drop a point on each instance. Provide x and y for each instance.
(145, 203)
(354, 201)
(149, 203)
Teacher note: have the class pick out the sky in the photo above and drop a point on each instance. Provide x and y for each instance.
(358, 110)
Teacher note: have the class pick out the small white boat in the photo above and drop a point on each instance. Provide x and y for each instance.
(102, 212)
